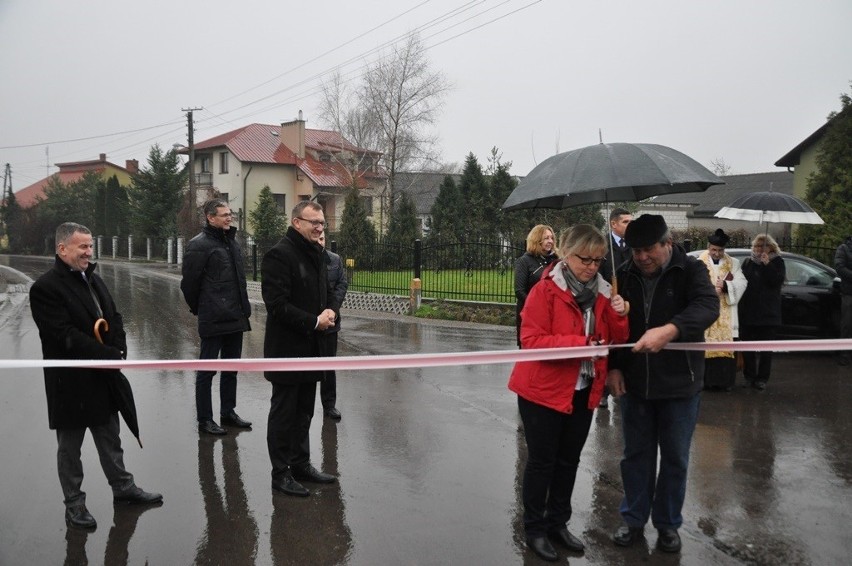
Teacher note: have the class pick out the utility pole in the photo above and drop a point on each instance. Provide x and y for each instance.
(7, 183)
(193, 199)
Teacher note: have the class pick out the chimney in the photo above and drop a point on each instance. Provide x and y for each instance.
(293, 136)
(132, 166)
(103, 157)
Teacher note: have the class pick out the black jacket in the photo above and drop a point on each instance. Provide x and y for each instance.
(760, 305)
(214, 282)
(65, 313)
(683, 296)
(338, 285)
(295, 290)
(843, 265)
(620, 256)
(528, 270)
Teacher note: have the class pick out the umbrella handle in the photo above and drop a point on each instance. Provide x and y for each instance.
(98, 323)
(615, 292)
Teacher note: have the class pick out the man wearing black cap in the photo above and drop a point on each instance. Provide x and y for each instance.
(672, 299)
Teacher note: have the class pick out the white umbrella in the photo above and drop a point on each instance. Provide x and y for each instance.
(768, 206)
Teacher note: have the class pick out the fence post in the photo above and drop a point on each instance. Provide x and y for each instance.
(416, 291)
(148, 247)
(170, 253)
(180, 250)
(254, 261)
(687, 245)
(130, 247)
(100, 251)
(114, 246)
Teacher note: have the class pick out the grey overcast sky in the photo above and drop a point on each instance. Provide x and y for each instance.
(740, 80)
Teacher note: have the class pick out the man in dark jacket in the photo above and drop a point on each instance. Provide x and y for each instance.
(843, 265)
(214, 286)
(66, 303)
(298, 298)
(338, 285)
(671, 299)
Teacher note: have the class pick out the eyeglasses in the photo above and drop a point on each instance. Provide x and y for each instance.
(590, 260)
(314, 223)
(226, 215)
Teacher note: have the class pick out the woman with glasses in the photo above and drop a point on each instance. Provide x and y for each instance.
(529, 267)
(572, 305)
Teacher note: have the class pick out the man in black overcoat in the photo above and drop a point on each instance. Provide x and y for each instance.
(298, 298)
(66, 302)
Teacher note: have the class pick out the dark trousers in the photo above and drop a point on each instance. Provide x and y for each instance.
(649, 426)
(757, 365)
(230, 346)
(554, 443)
(328, 385)
(289, 424)
(846, 317)
(108, 444)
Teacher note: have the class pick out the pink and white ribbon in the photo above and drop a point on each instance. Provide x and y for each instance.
(397, 361)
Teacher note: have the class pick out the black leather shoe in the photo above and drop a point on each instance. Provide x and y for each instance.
(333, 414)
(136, 495)
(759, 385)
(542, 547)
(566, 539)
(233, 419)
(669, 540)
(210, 427)
(290, 486)
(626, 536)
(311, 474)
(80, 518)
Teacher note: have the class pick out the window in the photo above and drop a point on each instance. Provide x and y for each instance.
(368, 205)
(323, 156)
(223, 162)
(280, 201)
(205, 163)
(224, 196)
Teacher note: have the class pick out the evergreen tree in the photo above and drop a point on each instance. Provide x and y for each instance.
(13, 223)
(111, 208)
(830, 186)
(447, 215)
(71, 202)
(156, 195)
(357, 234)
(479, 204)
(267, 220)
(403, 227)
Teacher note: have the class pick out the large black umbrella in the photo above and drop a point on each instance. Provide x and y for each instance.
(769, 206)
(609, 172)
(120, 392)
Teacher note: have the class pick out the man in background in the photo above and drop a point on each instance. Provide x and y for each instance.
(338, 285)
(843, 265)
(214, 286)
(619, 218)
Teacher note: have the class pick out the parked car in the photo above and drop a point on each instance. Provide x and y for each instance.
(810, 297)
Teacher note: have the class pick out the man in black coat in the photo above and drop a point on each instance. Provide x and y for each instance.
(843, 265)
(214, 286)
(66, 302)
(671, 300)
(338, 284)
(298, 298)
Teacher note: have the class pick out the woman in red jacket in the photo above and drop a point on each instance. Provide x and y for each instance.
(570, 306)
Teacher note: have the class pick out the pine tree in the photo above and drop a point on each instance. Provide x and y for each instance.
(268, 222)
(156, 195)
(830, 187)
(478, 202)
(446, 222)
(403, 229)
(357, 234)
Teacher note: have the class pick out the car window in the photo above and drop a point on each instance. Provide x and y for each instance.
(803, 273)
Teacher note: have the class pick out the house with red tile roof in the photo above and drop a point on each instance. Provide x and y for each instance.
(296, 163)
(72, 172)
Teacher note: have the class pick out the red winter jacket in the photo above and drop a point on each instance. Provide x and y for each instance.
(552, 319)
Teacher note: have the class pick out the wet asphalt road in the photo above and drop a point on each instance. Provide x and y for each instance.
(428, 459)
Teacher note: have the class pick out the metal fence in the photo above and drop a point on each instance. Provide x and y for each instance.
(479, 272)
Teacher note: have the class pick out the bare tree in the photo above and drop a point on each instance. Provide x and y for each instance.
(391, 111)
(719, 167)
